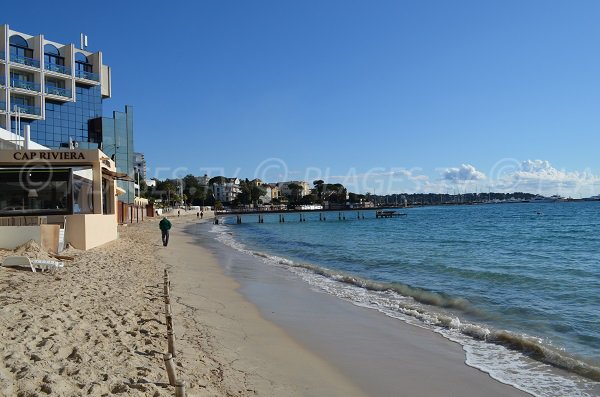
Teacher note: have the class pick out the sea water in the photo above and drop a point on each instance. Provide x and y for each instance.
(517, 285)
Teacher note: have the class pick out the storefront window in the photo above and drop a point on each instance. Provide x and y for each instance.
(83, 191)
(35, 191)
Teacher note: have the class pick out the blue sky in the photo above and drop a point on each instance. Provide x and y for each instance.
(383, 96)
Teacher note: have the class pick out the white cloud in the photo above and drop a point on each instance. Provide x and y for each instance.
(466, 172)
(539, 176)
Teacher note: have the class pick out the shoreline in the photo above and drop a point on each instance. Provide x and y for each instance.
(218, 328)
(241, 328)
(381, 355)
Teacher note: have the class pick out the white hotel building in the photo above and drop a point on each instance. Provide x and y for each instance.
(34, 70)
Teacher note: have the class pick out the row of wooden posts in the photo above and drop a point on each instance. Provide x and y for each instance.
(261, 218)
(168, 357)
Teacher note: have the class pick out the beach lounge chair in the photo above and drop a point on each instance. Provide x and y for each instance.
(33, 264)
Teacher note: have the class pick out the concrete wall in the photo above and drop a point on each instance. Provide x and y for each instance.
(90, 230)
(45, 235)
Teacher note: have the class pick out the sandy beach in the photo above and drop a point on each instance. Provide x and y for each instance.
(97, 328)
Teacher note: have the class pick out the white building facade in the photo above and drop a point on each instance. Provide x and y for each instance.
(226, 191)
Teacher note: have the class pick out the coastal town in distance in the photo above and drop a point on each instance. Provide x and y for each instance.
(238, 195)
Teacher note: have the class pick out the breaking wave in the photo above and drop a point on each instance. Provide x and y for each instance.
(437, 312)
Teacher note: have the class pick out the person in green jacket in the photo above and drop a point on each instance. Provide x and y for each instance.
(164, 226)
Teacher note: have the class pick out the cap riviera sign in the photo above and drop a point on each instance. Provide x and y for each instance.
(48, 155)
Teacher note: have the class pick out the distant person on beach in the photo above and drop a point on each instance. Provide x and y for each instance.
(164, 226)
(197, 215)
(201, 214)
(178, 212)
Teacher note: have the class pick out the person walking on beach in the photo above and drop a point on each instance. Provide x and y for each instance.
(164, 226)
(201, 214)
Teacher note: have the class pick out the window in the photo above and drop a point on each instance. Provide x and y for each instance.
(21, 76)
(21, 100)
(82, 66)
(52, 56)
(55, 83)
(35, 191)
(19, 48)
(83, 191)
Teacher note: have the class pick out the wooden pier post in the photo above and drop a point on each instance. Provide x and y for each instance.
(168, 357)
(171, 342)
(180, 388)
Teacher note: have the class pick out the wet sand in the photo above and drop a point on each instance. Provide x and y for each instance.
(380, 355)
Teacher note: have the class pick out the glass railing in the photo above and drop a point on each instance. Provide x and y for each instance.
(58, 91)
(28, 109)
(25, 61)
(54, 67)
(82, 74)
(2, 106)
(24, 84)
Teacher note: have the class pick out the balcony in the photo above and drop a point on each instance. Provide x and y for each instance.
(82, 74)
(28, 109)
(25, 61)
(2, 106)
(26, 85)
(58, 91)
(54, 67)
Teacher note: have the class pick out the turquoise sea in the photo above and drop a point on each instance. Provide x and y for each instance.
(517, 285)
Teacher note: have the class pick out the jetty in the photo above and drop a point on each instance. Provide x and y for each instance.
(388, 214)
(301, 216)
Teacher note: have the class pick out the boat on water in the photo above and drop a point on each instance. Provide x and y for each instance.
(544, 199)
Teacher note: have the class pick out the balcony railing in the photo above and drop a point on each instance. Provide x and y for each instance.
(2, 106)
(26, 85)
(54, 67)
(25, 61)
(28, 109)
(58, 91)
(82, 74)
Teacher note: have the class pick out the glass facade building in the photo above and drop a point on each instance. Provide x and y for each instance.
(67, 123)
(58, 90)
(116, 135)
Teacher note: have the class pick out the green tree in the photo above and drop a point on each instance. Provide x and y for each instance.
(256, 192)
(296, 189)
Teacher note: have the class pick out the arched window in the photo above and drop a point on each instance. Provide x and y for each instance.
(20, 52)
(53, 61)
(49, 49)
(79, 57)
(82, 67)
(18, 41)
